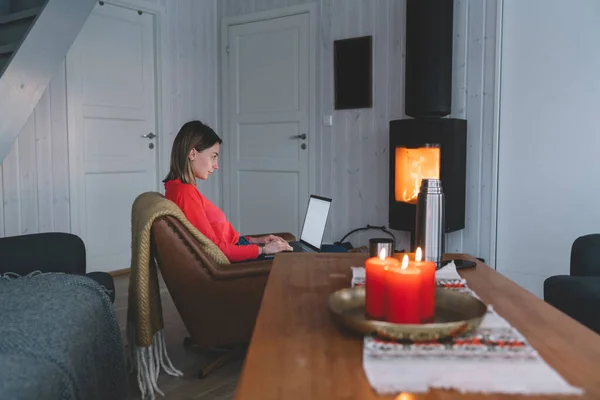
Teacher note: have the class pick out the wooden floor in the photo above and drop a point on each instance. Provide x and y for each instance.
(219, 385)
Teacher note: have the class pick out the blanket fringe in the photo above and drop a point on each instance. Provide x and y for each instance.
(148, 361)
(105, 290)
(14, 275)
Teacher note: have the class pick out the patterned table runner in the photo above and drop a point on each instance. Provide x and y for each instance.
(494, 359)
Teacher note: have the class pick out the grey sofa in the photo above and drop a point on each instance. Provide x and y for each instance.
(49, 252)
(59, 335)
(578, 294)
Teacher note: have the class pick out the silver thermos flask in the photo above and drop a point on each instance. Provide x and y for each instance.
(429, 227)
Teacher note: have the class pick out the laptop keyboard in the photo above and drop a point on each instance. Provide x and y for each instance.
(297, 246)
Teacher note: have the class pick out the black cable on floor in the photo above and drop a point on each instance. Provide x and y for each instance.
(368, 227)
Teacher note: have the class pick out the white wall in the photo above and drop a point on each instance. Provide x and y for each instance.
(354, 151)
(34, 177)
(548, 191)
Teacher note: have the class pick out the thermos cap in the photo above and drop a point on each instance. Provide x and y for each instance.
(431, 186)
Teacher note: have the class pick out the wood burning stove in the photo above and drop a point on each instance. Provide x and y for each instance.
(427, 148)
(427, 145)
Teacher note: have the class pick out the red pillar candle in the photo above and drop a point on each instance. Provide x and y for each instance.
(427, 302)
(375, 269)
(403, 294)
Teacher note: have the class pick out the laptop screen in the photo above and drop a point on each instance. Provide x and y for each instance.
(314, 223)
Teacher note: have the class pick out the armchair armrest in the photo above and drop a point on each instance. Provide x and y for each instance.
(223, 271)
(219, 272)
(241, 269)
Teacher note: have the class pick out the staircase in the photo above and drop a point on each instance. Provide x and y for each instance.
(15, 21)
(35, 36)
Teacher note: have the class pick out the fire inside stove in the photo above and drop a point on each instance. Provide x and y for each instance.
(413, 165)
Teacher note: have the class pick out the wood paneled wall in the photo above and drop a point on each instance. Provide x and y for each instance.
(353, 160)
(194, 45)
(475, 99)
(34, 177)
(35, 174)
(354, 151)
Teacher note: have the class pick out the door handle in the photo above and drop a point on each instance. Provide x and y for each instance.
(149, 135)
(301, 136)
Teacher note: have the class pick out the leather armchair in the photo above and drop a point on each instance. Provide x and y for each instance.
(218, 303)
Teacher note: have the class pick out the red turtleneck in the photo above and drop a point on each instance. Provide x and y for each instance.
(209, 220)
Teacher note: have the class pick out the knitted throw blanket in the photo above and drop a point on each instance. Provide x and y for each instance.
(59, 339)
(147, 352)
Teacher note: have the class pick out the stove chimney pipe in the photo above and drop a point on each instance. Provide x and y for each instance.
(428, 77)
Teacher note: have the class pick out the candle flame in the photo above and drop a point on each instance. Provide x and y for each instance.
(405, 396)
(418, 254)
(405, 261)
(382, 253)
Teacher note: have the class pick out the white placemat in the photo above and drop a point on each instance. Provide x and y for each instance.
(494, 359)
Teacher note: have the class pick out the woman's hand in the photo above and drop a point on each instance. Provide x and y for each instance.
(265, 239)
(276, 246)
(272, 238)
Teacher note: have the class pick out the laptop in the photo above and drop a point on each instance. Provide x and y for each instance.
(313, 229)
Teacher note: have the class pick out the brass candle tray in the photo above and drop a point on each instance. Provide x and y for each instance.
(456, 314)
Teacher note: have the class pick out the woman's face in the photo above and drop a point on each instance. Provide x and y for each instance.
(204, 162)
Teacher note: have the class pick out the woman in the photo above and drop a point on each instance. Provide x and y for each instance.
(194, 155)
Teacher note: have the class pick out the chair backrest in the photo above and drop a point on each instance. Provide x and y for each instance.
(184, 268)
(585, 256)
(181, 260)
(149, 206)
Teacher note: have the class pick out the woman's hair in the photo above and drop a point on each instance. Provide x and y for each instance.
(192, 135)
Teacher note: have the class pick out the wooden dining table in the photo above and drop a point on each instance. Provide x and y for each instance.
(297, 352)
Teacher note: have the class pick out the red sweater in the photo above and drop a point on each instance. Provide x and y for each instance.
(209, 220)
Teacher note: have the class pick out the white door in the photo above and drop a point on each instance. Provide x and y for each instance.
(268, 123)
(111, 106)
